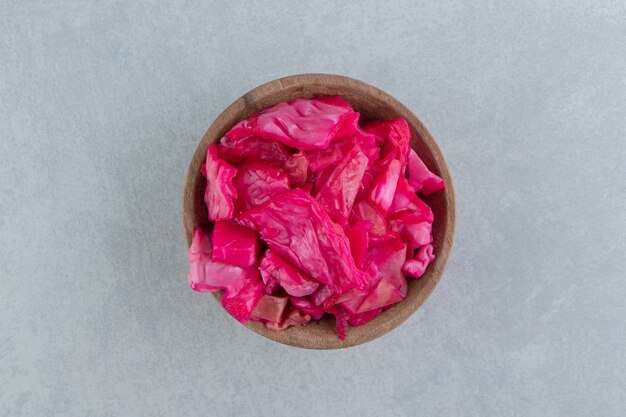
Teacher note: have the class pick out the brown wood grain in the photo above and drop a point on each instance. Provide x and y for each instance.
(372, 103)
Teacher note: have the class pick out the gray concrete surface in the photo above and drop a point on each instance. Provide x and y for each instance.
(102, 104)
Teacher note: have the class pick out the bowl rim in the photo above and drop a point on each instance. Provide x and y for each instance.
(249, 103)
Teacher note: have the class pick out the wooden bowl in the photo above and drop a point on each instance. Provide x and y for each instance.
(373, 104)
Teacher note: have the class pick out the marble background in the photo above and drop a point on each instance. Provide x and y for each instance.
(103, 102)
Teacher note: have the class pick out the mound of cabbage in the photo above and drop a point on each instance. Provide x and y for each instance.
(313, 213)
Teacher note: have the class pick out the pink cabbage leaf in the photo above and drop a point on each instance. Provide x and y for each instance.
(240, 304)
(304, 124)
(234, 244)
(240, 144)
(384, 187)
(207, 275)
(270, 308)
(257, 182)
(405, 200)
(395, 136)
(420, 177)
(417, 266)
(337, 185)
(274, 268)
(220, 190)
(292, 317)
(296, 167)
(295, 226)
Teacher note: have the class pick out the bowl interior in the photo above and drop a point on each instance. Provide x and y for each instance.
(373, 104)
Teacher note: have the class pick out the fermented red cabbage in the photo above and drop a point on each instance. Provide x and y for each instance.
(395, 136)
(369, 146)
(234, 244)
(388, 284)
(306, 305)
(296, 167)
(405, 200)
(364, 211)
(220, 190)
(417, 266)
(270, 308)
(256, 183)
(241, 303)
(420, 177)
(341, 322)
(384, 186)
(292, 317)
(303, 123)
(295, 226)
(359, 241)
(207, 275)
(239, 145)
(337, 185)
(363, 318)
(276, 269)
(413, 229)
(313, 214)
(322, 158)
